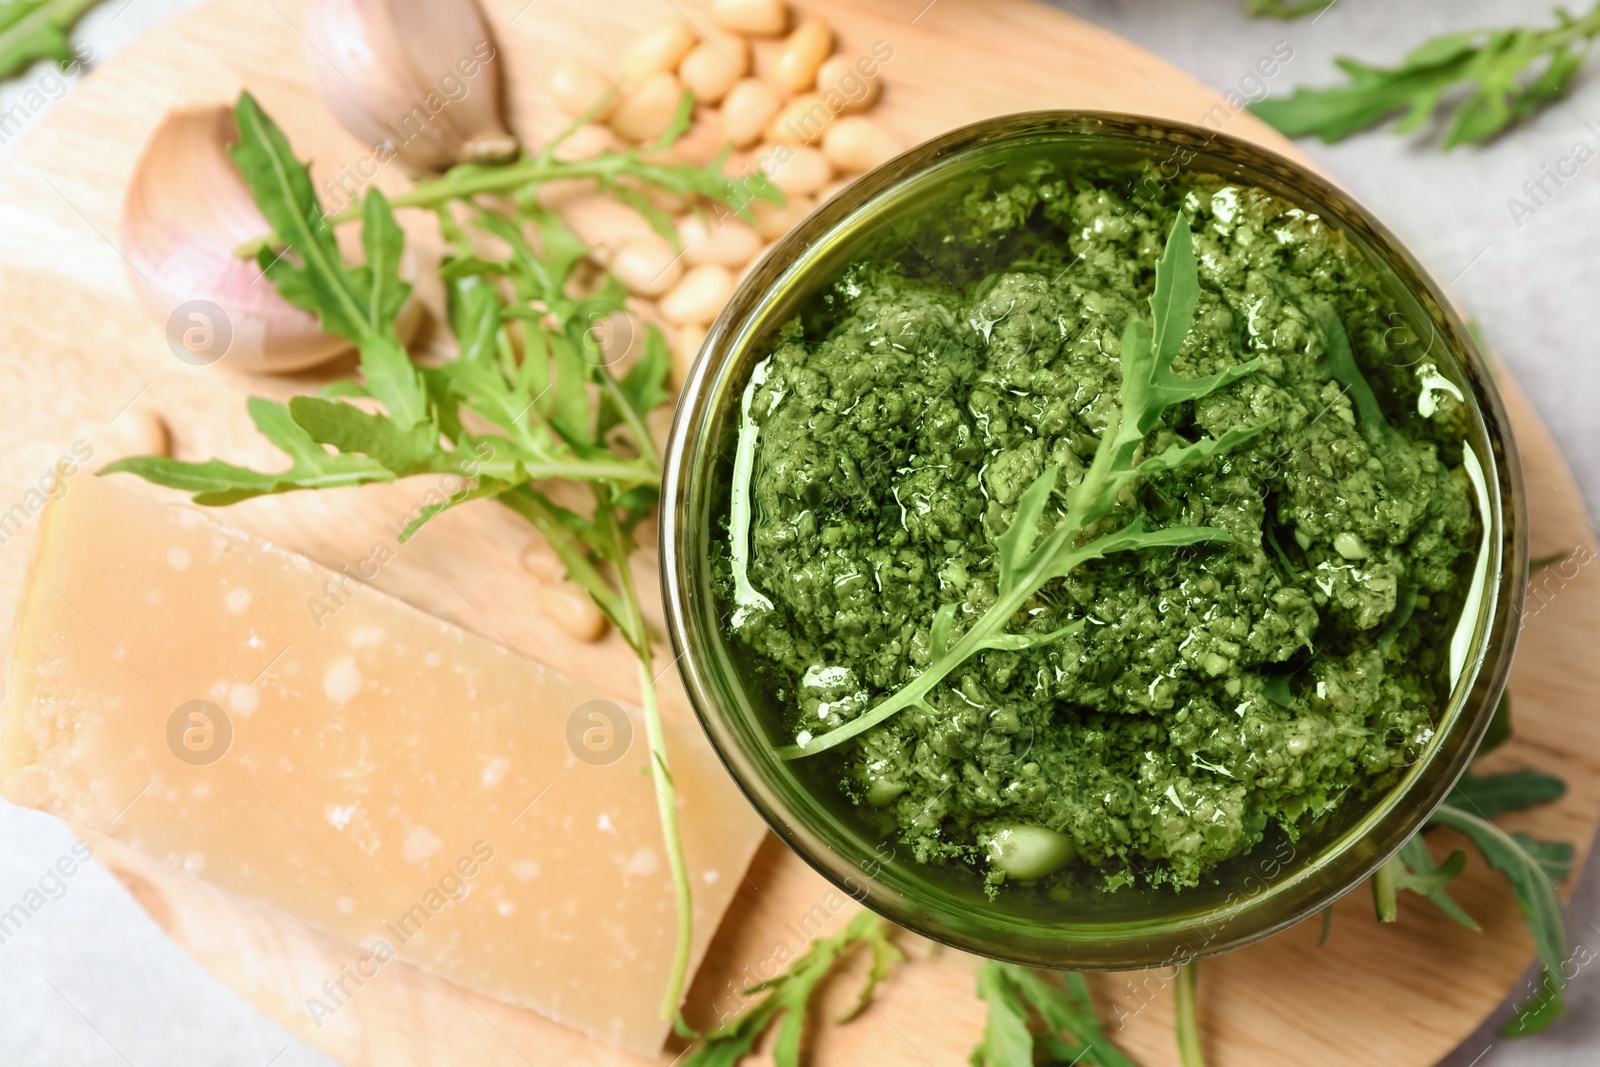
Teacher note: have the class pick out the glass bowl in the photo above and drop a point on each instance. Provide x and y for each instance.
(1277, 883)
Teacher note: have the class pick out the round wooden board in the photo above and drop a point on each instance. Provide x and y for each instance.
(77, 351)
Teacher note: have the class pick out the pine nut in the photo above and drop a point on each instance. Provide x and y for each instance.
(138, 431)
(728, 241)
(648, 109)
(714, 66)
(796, 66)
(699, 296)
(573, 611)
(796, 171)
(700, 144)
(844, 87)
(586, 141)
(772, 222)
(855, 144)
(565, 605)
(659, 51)
(746, 110)
(760, 18)
(647, 266)
(685, 349)
(576, 88)
(541, 561)
(801, 121)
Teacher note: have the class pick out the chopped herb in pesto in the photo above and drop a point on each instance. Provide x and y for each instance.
(1227, 586)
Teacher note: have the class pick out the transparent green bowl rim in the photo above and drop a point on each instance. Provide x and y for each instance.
(1276, 899)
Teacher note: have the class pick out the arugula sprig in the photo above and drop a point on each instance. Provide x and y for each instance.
(1511, 75)
(37, 29)
(1532, 867)
(1026, 561)
(419, 430)
(530, 398)
(1038, 1019)
(625, 174)
(788, 997)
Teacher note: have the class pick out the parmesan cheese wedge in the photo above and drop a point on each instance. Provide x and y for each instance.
(375, 772)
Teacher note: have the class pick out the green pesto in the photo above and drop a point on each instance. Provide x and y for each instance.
(1209, 692)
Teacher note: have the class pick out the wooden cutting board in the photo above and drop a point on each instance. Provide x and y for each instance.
(75, 350)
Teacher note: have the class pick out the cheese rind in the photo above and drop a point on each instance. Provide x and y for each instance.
(316, 746)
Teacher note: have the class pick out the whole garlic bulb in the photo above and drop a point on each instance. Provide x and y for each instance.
(186, 212)
(416, 78)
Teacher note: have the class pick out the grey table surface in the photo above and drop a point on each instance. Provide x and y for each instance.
(90, 980)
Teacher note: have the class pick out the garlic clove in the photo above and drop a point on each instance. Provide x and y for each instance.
(186, 211)
(417, 80)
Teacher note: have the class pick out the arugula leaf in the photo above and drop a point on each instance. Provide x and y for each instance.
(1497, 794)
(1148, 388)
(884, 956)
(1542, 1009)
(1540, 563)
(1007, 1042)
(1070, 1012)
(788, 997)
(1532, 867)
(1148, 385)
(643, 388)
(479, 489)
(1068, 1030)
(1339, 363)
(216, 483)
(1014, 546)
(1276, 688)
(350, 429)
(1285, 9)
(37, 29)
(1508, 83)
(359, 303)
(1420, 875)
(939, 633)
